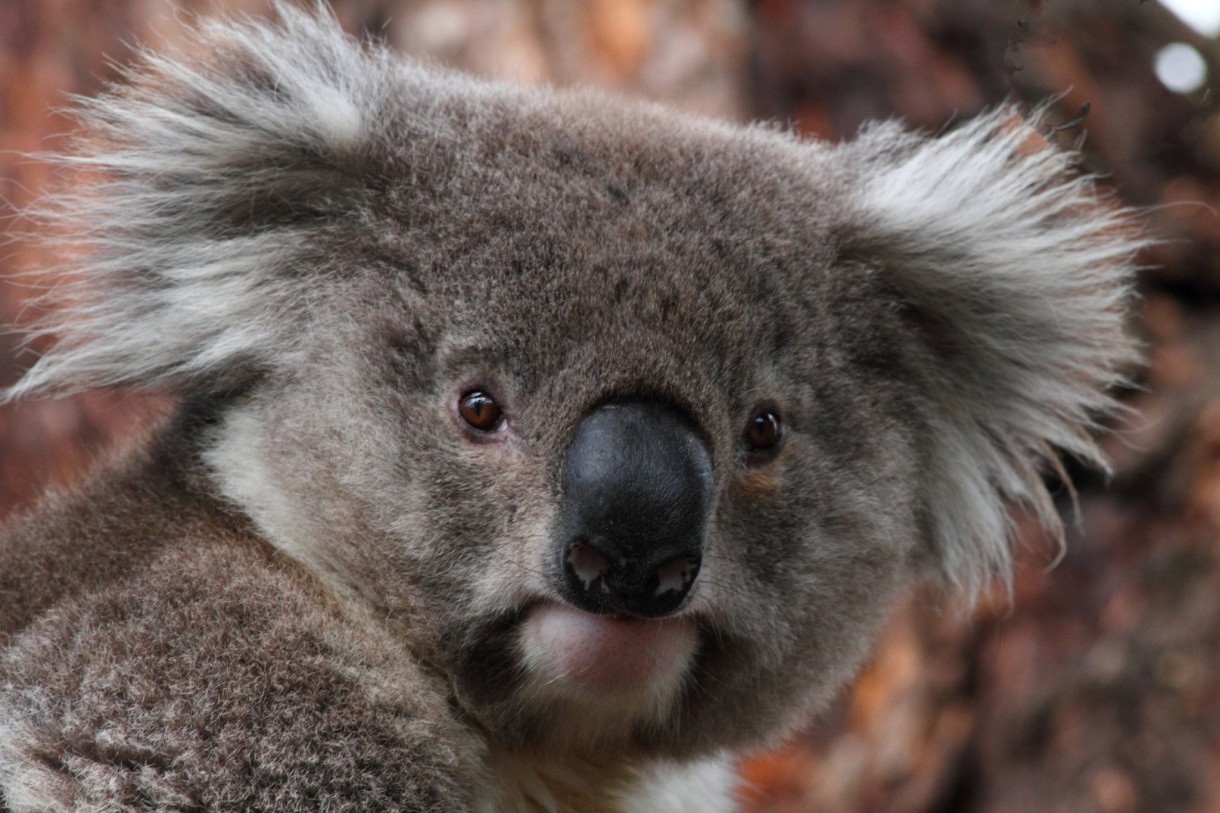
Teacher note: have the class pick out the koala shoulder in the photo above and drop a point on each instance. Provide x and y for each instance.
(159, 656)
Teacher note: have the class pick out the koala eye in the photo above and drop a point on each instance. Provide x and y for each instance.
(480, 411)
(763, 431)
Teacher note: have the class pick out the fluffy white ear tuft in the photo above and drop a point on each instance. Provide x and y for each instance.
(202, 177)
(1016, 274)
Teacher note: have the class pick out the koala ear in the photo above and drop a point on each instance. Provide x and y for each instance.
(202, 177)
(1016, 276)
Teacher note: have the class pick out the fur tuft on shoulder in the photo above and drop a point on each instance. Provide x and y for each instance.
(1017, 275)
(204, 177)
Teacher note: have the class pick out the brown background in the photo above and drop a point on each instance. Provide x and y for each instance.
(1097, 687)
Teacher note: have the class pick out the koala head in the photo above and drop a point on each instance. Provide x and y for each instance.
(630, 424)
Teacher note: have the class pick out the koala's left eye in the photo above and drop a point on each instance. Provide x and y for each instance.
(480, 411)
(763, 432)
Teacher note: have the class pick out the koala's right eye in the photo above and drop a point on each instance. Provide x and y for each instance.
(480, 411)
(764, 432)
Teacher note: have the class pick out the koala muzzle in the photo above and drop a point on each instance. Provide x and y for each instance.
(637, 484)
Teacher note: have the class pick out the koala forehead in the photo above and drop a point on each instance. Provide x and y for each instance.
(580, 231)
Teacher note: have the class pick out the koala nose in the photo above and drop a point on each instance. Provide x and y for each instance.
(636, 488)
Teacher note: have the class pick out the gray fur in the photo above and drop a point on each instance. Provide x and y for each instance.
(306, 588)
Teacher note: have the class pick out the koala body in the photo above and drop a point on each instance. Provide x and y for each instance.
(536, 450)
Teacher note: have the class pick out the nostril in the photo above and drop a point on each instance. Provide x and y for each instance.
(664, 587)
(586, 564)
(675, 577)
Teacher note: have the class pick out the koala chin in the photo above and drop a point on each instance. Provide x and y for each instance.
(534, 450)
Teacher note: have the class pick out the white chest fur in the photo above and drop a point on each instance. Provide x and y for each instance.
(522, 784)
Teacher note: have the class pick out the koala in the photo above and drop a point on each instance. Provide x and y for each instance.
(534, 450)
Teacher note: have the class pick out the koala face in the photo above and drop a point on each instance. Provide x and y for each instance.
(629, 331)
(630, 424)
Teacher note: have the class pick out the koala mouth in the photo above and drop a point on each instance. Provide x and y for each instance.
(607, 654)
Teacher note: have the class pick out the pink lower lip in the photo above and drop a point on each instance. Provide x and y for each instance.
(610, 652)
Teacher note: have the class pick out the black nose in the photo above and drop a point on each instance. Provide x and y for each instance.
(637, 482)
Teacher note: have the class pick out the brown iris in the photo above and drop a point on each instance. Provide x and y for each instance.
(480, 411)
(763, 432)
